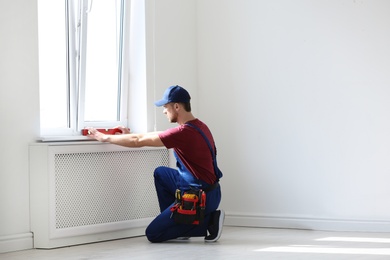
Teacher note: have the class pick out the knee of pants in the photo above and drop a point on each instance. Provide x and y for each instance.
(152, 237)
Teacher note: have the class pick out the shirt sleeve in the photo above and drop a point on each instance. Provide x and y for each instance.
(174, 137)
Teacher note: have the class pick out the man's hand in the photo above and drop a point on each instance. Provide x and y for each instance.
(124, 130)
(95, 134)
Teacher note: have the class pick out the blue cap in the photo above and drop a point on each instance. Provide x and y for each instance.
(174, 94)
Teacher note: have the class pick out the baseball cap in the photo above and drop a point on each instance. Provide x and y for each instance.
(175, 94)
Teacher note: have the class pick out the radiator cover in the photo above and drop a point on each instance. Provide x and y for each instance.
(82, 193)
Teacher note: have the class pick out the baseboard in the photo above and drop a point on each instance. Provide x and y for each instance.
(16, 242)
(349, 225)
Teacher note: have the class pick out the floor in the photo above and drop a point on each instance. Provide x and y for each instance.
(235, 243)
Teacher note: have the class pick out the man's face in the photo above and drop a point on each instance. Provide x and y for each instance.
(170, 112)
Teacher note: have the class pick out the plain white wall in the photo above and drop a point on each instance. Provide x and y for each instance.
(19, 114)
(297, 93)
(171, 51)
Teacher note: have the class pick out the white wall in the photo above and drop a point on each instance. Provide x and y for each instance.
(297, 93)
(171, 50)
(19, 117)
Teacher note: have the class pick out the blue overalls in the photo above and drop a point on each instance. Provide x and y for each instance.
(167, 180)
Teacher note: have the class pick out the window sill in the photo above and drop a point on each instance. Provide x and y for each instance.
(65, 138)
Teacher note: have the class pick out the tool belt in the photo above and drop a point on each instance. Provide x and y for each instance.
(189, 207)
(211, 187)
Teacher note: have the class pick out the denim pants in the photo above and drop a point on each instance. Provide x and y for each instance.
(163, 227)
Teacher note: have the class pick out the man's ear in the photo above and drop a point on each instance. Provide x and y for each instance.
(176, 106)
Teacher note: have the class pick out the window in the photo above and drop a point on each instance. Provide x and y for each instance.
(82, 64)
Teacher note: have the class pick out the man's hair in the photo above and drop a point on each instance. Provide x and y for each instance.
(187, 106)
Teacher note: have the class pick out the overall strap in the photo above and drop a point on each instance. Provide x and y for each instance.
(213, 154)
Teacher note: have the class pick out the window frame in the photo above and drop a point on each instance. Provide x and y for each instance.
(75, 74)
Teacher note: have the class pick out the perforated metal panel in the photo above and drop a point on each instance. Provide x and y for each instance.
(104, 187)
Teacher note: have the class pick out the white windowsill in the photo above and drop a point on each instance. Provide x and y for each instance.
(65, 138)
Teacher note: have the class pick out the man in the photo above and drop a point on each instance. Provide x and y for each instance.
(195, 168)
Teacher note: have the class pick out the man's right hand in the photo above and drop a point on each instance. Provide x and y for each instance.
(124, 130)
